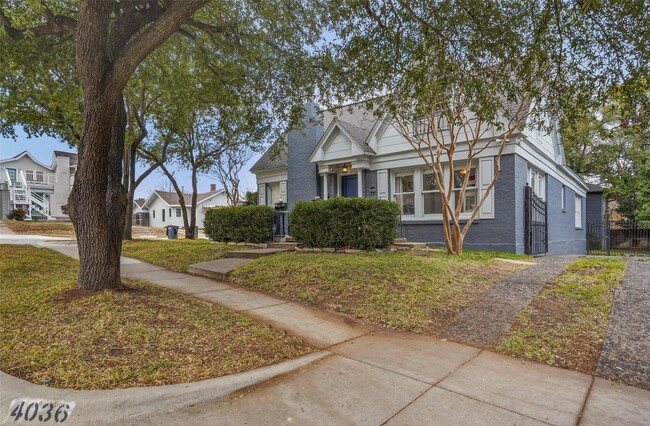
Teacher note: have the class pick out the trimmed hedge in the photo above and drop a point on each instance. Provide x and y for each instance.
(360, 223)
(249, 224)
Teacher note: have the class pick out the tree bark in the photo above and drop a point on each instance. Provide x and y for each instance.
(116, 196)
(99, 256)
(97, 202)
(190, 233)
(181, 197)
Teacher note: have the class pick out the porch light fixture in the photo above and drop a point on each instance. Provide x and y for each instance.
(345, 168)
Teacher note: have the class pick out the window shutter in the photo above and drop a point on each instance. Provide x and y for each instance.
(283, 190)
(261, 194)
(382, 184)
(486, 170)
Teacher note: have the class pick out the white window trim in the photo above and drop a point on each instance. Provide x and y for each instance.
(472, 188)
(563, 200)
(537, 178)
(433, 191)
(418, 192)
(578, 212)
(401, 173)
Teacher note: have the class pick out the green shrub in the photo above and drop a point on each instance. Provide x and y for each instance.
(360, 223)
(249, 224)
(17, 214)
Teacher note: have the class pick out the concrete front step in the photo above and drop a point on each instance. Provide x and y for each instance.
(410, 245)
(285, 245)
(254, 253)
(218, 269)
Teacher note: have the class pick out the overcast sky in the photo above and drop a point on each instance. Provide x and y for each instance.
(41, 148)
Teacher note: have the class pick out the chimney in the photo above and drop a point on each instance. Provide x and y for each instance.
(213, 187)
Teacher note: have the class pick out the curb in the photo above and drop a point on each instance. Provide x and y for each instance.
(93, 407)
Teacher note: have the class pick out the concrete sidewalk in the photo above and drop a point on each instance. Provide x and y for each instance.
(374, 376)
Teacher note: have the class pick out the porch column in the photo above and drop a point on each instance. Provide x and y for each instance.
(360, 183)
(325, 189)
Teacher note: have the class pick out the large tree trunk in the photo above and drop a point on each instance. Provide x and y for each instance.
(129, 180)
(116, 195)
(106, 58)
(99, 255)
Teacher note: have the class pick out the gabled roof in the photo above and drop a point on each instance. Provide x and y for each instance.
(355, 134)
(23, 154)
(172, 200)
(358, 134)
(74, 157)
(140, 201)
(273, 158)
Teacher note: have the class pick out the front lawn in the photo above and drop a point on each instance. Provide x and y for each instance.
(566, 323)
(142, 336)
(46, 228)
(413, 291)
(176, 255)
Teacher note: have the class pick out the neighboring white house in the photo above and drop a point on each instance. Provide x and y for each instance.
(40, 189)
(163, 208)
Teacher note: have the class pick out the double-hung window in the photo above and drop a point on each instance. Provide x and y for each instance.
(578, 211)
(537, 182)
(405, 192)
(40, 177)
(469, 202)
(431, 194)
(178, 212)
(29, 175)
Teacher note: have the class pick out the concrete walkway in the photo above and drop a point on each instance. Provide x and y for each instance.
(372, 376)
(626, 352)
(491, 316)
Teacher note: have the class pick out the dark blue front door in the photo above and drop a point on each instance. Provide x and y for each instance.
(349, 185)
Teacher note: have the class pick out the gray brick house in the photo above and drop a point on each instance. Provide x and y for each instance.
(351, 153)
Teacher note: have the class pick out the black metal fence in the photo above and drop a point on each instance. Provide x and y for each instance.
(618, 238)
(536, 223)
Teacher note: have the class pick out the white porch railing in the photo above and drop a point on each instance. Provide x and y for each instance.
(21, 195)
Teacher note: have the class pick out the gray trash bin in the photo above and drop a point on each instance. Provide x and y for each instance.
(172, 232)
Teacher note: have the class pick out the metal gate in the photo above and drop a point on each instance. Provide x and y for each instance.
(535, 223)
(622, 237)
(279, 225)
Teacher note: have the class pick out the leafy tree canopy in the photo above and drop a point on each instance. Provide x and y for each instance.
(563, 56)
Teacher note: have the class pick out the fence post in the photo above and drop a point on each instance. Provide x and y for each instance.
(608, 233)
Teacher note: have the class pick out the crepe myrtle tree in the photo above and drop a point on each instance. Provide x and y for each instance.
(227, 168)
(110, 39)
(458, 79)
(437, 134)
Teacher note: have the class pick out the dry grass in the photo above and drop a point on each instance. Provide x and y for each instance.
(50, 229)
(414, 292)
(143, 336)
(176, 255)
(566, 323)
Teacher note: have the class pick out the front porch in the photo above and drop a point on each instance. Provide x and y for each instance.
(346, 179)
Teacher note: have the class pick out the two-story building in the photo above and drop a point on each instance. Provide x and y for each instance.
(40, 189)
(350, 152)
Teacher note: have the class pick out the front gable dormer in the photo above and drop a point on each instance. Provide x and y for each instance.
(341, 141)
